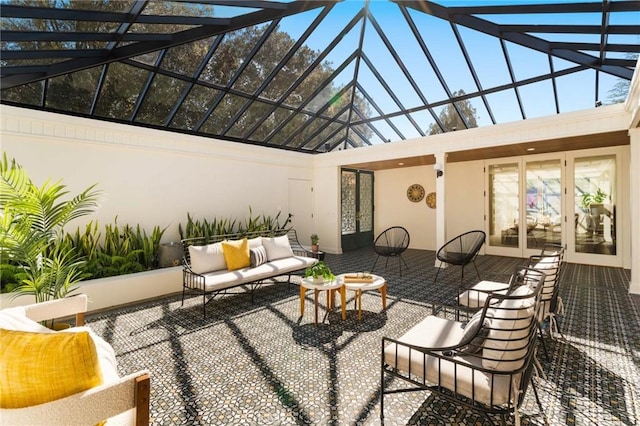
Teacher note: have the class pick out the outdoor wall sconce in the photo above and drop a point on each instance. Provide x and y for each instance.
(438, 168)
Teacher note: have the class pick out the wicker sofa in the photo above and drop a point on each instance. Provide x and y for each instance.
(67, 356)
(213, 265)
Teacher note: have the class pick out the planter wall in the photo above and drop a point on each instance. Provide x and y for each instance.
(105, 293)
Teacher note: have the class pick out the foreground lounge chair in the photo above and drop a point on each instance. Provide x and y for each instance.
(485, 363)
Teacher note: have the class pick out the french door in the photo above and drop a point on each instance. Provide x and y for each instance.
(524, 210)
(593, 206)
(357, 209)
(567, 199)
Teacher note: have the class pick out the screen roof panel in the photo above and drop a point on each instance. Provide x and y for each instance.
(320, 75)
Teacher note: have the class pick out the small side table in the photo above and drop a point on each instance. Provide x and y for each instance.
(316, 254)
(330, 287)
(378, 283)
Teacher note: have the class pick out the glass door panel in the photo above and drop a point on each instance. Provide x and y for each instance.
(594, 205)
(543, 203)
(357, 209)
(504, 200)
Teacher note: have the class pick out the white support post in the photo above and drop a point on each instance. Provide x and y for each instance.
(441, 225)
(634, 209)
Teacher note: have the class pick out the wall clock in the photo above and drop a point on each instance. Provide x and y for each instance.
(415, 193)
(431, 200)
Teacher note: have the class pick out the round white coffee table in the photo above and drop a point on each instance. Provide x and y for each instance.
(377, 283)
(330, 287)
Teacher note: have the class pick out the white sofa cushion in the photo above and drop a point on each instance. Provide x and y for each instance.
(207, 258)
(219, 280)
(255, 242)
(277, 247)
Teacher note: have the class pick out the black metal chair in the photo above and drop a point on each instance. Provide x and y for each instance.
(461, 251)
(392, 242)
(484, 362)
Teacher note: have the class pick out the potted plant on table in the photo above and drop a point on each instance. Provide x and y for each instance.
(319, 272)
(314, 243)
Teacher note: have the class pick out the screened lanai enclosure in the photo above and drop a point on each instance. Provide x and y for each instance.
(316, 76)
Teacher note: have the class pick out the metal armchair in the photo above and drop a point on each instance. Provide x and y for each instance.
(485, 364)
(461, 251)
(392, 242)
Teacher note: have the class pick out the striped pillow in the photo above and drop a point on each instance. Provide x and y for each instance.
(258, 256)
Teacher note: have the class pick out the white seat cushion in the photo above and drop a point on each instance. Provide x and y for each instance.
(219, 280)
(467, 381)
(476, 296)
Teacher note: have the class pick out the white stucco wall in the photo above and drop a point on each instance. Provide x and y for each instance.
(151, 177)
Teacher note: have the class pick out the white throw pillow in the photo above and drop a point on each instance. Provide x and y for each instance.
(207, 258)
(255, 242)
(277, 247)
(16, 319)
(475, 328)
(507, 340)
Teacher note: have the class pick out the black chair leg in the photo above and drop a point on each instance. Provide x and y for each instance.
(477, 272)
(437, 272)
(535, 392)
(544, 345)
(374, 263)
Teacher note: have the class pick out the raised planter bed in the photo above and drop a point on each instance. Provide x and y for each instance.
(105, 293)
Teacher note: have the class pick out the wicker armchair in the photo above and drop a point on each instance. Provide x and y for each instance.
(485, 364)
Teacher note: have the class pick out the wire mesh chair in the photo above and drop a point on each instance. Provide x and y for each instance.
(392, 242)
(461, 251)
(485, 363)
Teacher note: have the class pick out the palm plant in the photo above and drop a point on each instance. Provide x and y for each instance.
(32, 221)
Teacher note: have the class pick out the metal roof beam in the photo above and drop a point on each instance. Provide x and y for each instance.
(313, 94)
(570, 29)
(182, 37)
(285, 59)
(60, 14)
(254, 4)
(585, 7)
(309, 69)
(507, 33)
(27, 36)
(476, 94)
(391, 93)
(12, 55)
(595, 47)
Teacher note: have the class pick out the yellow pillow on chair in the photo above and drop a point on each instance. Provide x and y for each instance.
(236, 254)
(41, 367)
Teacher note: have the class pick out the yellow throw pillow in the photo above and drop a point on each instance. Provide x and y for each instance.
(40, 367)
(236, 254)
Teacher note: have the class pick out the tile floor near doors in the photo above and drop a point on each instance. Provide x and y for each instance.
(260, 363)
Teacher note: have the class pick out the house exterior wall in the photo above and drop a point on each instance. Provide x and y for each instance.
(153, 177)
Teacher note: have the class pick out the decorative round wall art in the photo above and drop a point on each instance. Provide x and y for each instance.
(431, 200)
(415, 193)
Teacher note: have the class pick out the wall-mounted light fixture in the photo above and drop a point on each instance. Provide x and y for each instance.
(438, 168)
